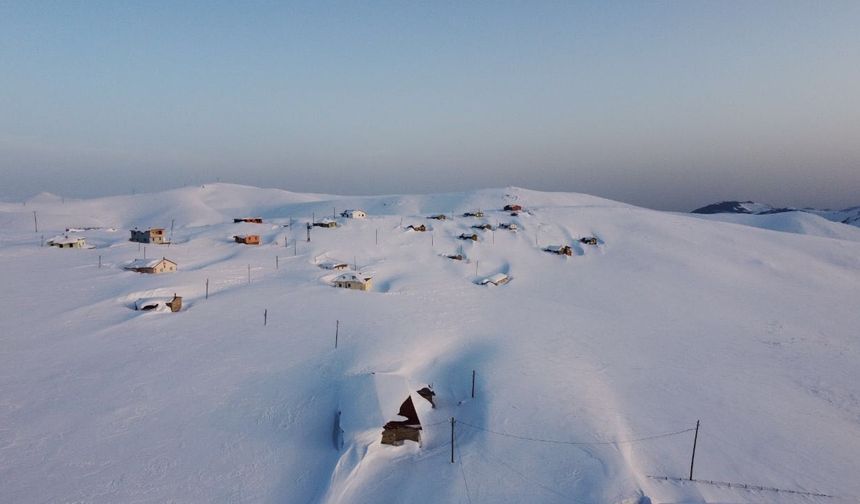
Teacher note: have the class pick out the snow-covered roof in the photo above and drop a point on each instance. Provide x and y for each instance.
(353, 276)
(495, 279)
(555, 248)
(146, 263)
(65, 240)
(333, 265)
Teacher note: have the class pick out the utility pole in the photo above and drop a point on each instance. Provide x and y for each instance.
(452, 439)
(249, 273)
(35, 222)
(473, 384)
(207, 288)
(336, 331)
(277, 266)
(309, 231)
(100, 261)
(693, 458)
(377, 236)
(265, 317)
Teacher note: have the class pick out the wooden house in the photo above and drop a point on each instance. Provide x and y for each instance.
(510, 226)
(152, 266)
(326, 223)
(476, 213)
(483, 227)
(465, 236)
(421, 227)
(68, 242)
(354, 280)
(250, 220)
(354, 214)
(588, 240)
(513, 208)
(438, 217)
(151, 235)
(247, 239)
(560, 250)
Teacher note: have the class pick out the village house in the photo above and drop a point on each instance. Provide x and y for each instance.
(354, 280)
(455, 257)
(247, 239)
(484, 227)
(560, 250)
(354, 214)
(513, 208)
(476, 213)
(326, 223)
(588, 240)
(159, 303)
(152, 266)
(151, 235)
(421, 227)
(68, 242)
(497, 279)
(465, 236)
(510, 226)
(251, 220)
(438, 217)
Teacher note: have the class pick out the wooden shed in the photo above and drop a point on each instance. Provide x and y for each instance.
(251, 220)
(560, 250)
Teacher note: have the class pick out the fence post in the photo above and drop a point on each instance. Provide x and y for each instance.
(207, 288)
(336, 332)
(265, 317)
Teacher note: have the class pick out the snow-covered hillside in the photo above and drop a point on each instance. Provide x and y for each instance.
(591, 370)
(727, 208)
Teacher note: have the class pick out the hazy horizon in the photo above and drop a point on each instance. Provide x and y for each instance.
(669, 105)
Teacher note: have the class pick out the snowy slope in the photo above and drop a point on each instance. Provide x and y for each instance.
(728, 209)
(672, 318)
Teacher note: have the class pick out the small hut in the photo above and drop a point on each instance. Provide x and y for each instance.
(474, 213)
(326, 223)
(247, 239)
(513, 208)
(421, 227)
(560, 250)
(510, 226)
(465, 236)
(588, 240)
(333, 265)
(483, 227)
(438, 217)
(497, 279)
(174, 304)
(250, 220)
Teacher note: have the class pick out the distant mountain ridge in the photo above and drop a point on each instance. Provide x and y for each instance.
(849, 216)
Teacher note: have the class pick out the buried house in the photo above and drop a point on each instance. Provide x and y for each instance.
(250, 239)
(67, 242)
(354, 280)
(173, 304)
(386, 401)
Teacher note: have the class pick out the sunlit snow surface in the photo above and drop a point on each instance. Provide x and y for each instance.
(670, 319)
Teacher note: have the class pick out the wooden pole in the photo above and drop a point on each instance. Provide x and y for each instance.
(377, 236)
(473, 384)
(207, 288)
(452, 439)
(476, 267)
(309, 231)
(336, 332)
(295, 248)
(693, 458)
(249, 273)
(277, 265)
(35, 222)
(144, 252)
(100, 262)
(265, 317)
(42, 243)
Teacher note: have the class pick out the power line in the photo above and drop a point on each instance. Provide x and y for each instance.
(582, 443)
(463, 472)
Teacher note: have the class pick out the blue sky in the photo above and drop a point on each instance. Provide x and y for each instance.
(665, 104)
